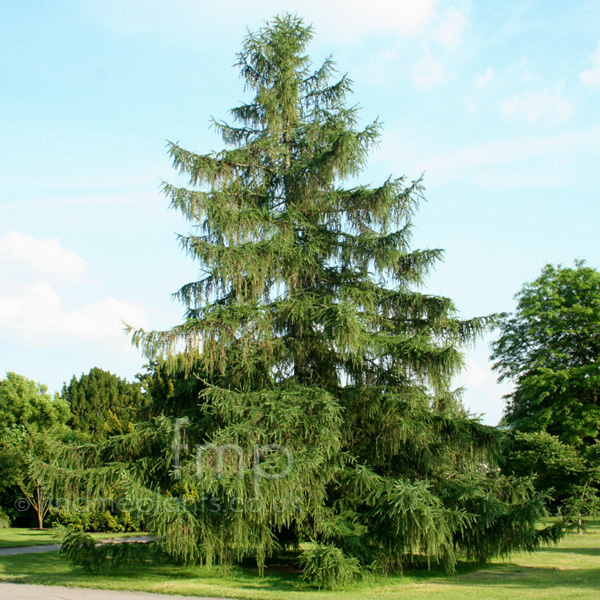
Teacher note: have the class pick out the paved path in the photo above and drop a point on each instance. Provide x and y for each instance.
(29, 549)
(55, 547)
(20, 591)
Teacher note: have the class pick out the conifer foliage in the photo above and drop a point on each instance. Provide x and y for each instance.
(322, 415)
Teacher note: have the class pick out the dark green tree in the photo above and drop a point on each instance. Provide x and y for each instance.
(103, 404)
(170, 390)
(320, 379)
(550, 348)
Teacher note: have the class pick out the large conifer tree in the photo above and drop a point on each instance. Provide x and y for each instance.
(307, 340)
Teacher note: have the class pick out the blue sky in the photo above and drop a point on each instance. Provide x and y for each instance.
(497, 103)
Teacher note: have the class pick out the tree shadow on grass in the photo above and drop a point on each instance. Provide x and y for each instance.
(509, 576)
(286, 578)
(582, 551)
(513, 576)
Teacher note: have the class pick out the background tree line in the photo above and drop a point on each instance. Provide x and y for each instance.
(89, 409)
(549, 348)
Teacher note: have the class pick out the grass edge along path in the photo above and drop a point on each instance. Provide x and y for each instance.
(569, 571)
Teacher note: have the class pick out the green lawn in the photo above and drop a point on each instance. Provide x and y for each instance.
(15, 537)
(569, 571)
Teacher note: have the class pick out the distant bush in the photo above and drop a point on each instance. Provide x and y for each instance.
(569, 477)
(98, 520)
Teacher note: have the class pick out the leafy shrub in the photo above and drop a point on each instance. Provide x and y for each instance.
(326, 567)
(76, 519)
(108, 522)
(560, 470)
(130, 522)
(98, 520)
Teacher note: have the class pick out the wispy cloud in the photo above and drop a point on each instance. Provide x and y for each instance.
(533, 106)
(429, 73)
(482, 80)
(348, 19)
(544, 161)
(519, 151)
(453, 25)
(444, 34)
(591, 77)
(354, 19)
(425, 60)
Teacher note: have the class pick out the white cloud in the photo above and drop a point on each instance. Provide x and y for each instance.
(102, 319)
(533, 106)
(454, 23)
(428, 73)
(591, 77)
(42, 257)
(34, 312)
(483, 79)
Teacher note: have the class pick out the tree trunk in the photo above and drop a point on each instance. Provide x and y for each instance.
(39, 507)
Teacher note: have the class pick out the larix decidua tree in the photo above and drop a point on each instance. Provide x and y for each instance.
(304, 332)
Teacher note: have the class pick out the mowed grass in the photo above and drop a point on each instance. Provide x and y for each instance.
(16, 537)
(569, 571)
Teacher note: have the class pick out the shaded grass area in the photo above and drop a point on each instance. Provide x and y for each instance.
(568, 571)
(17, 537)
